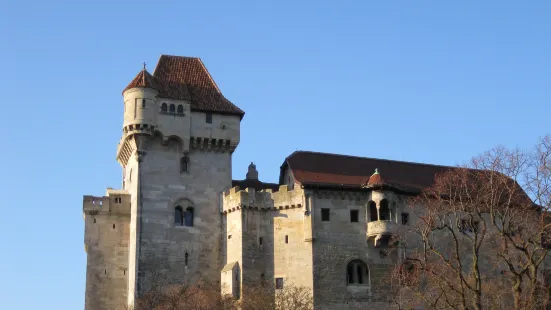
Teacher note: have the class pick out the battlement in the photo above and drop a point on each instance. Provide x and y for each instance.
(116, 202)
(236, 199)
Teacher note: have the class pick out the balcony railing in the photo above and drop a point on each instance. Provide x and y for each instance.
(377, 228)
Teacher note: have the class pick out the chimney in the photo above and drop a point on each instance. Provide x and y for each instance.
(252, 174)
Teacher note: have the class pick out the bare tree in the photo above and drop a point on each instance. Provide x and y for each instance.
(266, 297)
(480, 235)
(206, 296)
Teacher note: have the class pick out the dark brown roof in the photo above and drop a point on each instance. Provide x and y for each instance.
(332, 170)
(186, 78)
(143, 79)
(256, 184)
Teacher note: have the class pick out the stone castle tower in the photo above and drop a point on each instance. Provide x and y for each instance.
(178, 136)
(179, 217)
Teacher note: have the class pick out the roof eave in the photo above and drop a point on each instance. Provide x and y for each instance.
(355, 187)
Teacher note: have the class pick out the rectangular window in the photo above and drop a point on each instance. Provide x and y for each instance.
(325, 215)
(354, 216)
(209, 118)
(260, 241)
(405, 218)
(143, 103)
(286, 238)
(279, 283)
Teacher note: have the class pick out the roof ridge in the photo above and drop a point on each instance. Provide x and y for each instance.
(179, 56)
(372, 158)
(210, 76)
(158, 61)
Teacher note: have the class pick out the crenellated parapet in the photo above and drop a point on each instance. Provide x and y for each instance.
(115, 202)
(237, 199)
(212, 144)
(104, 212)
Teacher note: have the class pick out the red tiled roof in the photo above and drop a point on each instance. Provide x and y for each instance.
(376, 179)
(143, 79)
(186, 78)
(332, 170)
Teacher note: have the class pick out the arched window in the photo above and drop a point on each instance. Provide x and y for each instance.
(188, 217)
(172, 108)
(184, 162)
(180, 109)
(357, 272)
(164, 107)
(384, 211)
(178, 216)
(373, 211)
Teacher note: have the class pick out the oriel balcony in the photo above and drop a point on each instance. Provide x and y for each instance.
(379, 231)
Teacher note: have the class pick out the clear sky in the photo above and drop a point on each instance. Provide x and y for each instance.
(427, 81)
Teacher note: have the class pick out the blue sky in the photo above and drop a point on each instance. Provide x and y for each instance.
(427, 81)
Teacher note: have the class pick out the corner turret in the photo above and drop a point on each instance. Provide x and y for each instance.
(140, 104)
(140, 114)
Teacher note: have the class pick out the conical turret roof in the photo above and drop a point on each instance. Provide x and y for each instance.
(144, 80)
(376, 179)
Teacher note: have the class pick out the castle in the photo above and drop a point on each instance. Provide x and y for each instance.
(179, 217)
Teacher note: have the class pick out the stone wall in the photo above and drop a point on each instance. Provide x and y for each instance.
(106, 237)
(265, 234)
(339, 241)
(151, 150)
(175, 253)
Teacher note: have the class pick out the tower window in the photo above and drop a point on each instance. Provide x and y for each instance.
(279, 283)
(372, 211)
(184, 162)
(178, 216)
(143, 103)
(286, 238)
(325, 215)
(180, 109)
(260, 240)
(113, 226)
(186, 258)
(384, 211)
(188, 217)
(357, 272)
(354, 216)
(405, 218)
(164, 107)
(172, 108)
(209, 118)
